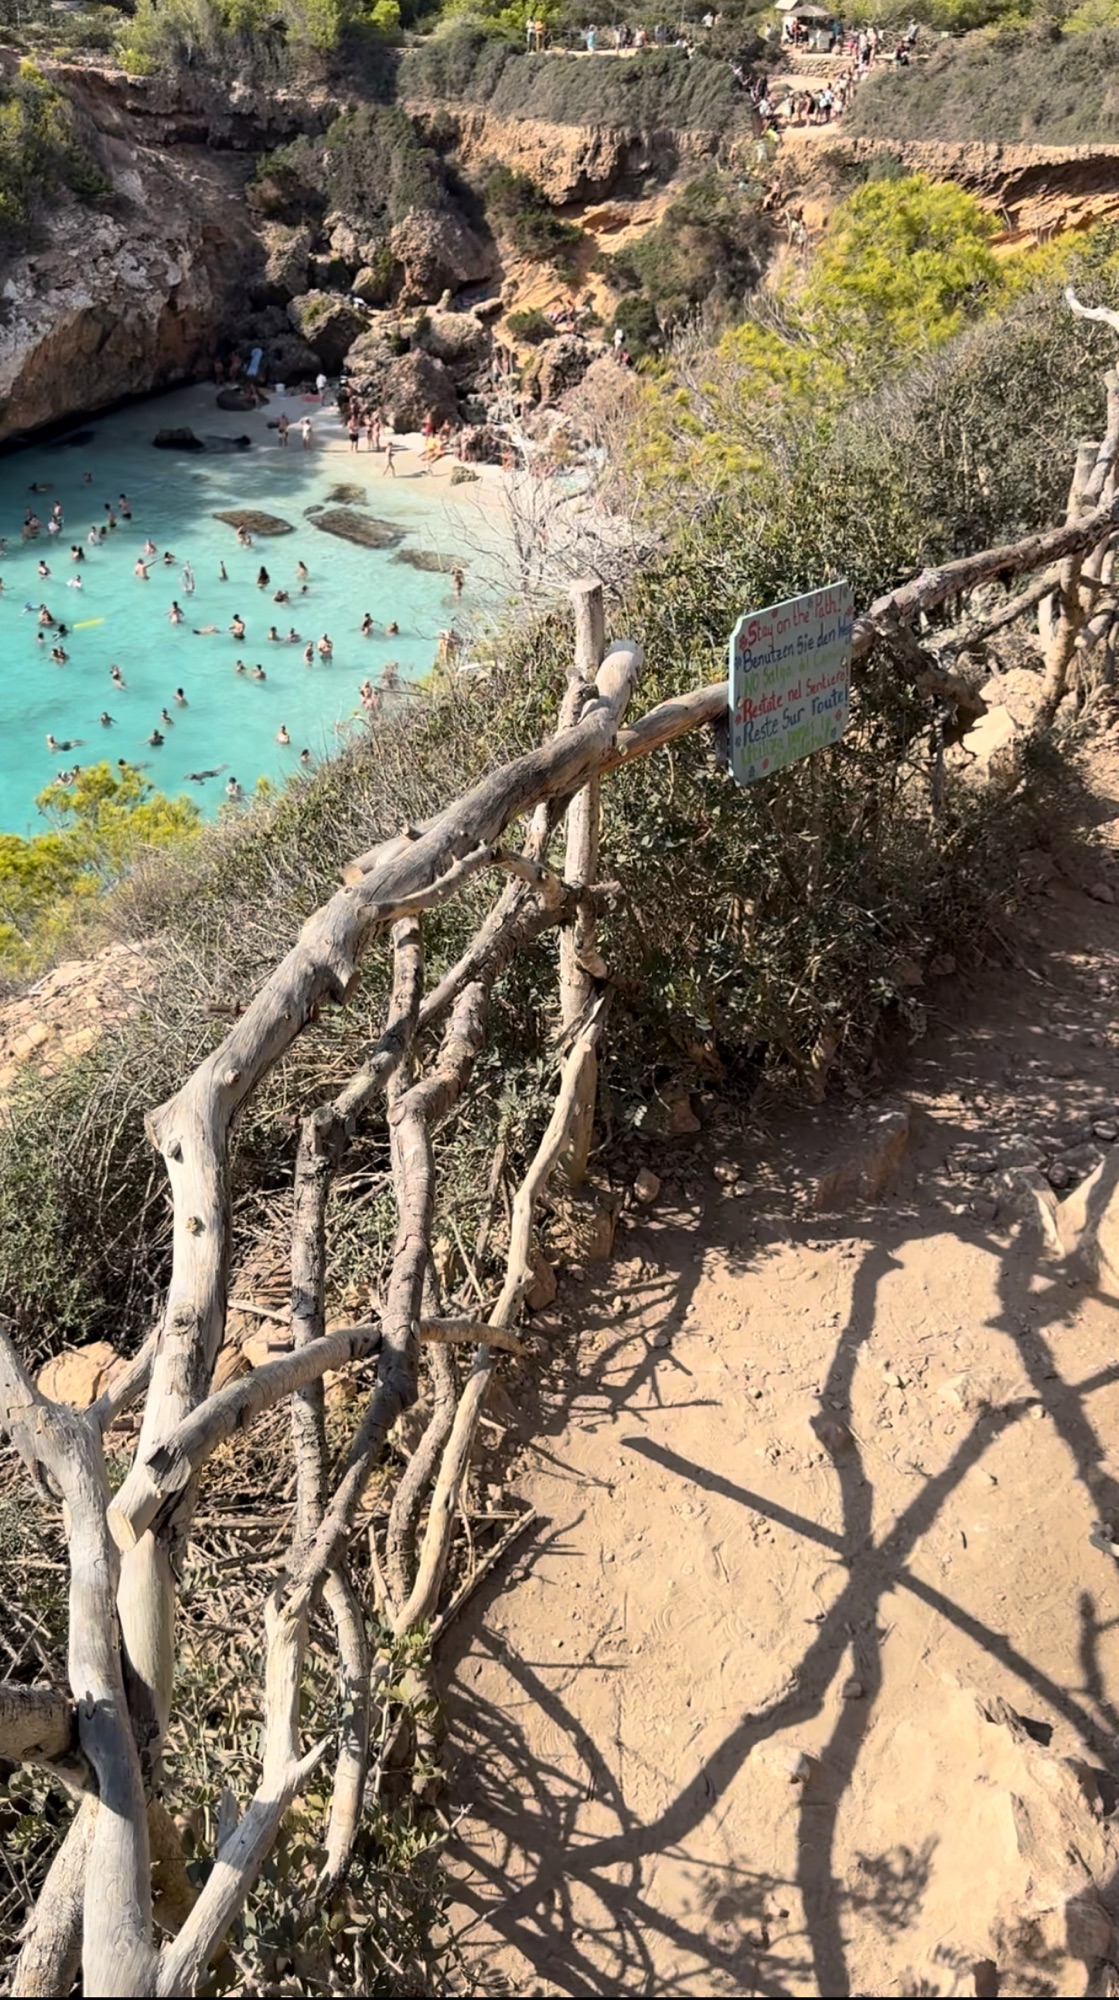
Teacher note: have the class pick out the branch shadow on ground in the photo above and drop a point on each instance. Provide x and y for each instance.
(544, 1861)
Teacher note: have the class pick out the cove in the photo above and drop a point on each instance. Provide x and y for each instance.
(230, 722)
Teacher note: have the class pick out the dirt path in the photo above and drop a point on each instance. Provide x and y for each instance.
(800, 1683)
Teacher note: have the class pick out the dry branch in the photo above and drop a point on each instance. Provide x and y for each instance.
(117, 1952)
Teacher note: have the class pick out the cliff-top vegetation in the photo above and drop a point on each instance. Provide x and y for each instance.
(1016, 87)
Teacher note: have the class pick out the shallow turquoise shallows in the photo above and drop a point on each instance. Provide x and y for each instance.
(230, 721)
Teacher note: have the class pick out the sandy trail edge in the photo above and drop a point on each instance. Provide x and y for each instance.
(815, 1532)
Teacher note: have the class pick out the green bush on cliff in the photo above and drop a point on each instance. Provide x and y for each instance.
(264, 39)
(1004, 91)
(710, 249)
(98, 826)
(369, 164)
(42, 153)
(521, 210)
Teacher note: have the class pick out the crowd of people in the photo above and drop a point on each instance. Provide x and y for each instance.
(59, 635)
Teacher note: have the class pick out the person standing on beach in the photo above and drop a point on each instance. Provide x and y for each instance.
(306, 432)
(283, 425)
(390, 449)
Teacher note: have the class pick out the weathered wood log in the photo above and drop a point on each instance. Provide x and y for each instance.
(38, 1725)
(1070, 608)
(424, 1595)
(50, 1955)
(117, 1950)
(578, 940)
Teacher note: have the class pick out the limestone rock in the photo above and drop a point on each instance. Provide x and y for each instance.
(646, 1186)
(992, 741)
(439, 253)
(557, 365)
(328, 323)
(180, 439)
(1087, 1223)
(870, 1168)
(364, 529)
(236, 398)
(373, 282)
(289, 359)
(462, 475)
(255, 521)
(459, 340)
(682, 1121)
(414, 386)
(369, 360)
(79, 1374)
(287, 256)
(543, 1288)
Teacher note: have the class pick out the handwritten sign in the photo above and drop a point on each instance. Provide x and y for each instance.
(790, 681)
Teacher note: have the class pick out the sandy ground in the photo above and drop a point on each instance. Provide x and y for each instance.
(804, 1682)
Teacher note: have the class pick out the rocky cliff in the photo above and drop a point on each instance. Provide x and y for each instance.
(570, 163)
(119, 301)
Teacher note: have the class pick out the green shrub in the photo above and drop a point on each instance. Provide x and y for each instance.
(532, 326)
(519, 208)
(369, 164)
(43, 154)
(1006, 92)
(710, 249)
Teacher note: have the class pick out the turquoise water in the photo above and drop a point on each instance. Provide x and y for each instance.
(115, 618)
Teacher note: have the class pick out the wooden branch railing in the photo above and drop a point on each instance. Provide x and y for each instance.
(106, 1734)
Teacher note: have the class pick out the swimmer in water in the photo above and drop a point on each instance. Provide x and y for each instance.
(71, 743)
(306, 759)
(44, 616)
(87, 479)
(59, 655)
(175, 614)
(262, 578)
(93, 539)
(73, 583)
(272, 632)
(457, 580)
(199, 777)
(150, 548)
(222, 577)
(292, 639)
(308, 655)
(233, 790)
(202, 631)
(181, 698)
(244, 537)
(77, 553)
(125, 505)
(367, 626)
(140, 568)
(186, 578)
(282, 734)
(169, 720)
(168, 558)
(281, 597)
(392, 630)
(237, 629)
(239, 667)
(105, 719)
(258, 673)
(301, 572)
(326, 647)
(156, 739)
(43, 570)
(117, 677)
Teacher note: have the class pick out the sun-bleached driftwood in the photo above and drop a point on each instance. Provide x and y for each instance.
(579, 960)
(518, 1278)
(63, 1444)
(1069, 612)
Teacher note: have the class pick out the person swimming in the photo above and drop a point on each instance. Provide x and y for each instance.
(272, 632)
(293, 637)
(367, 625)
(306, 758)
(150, 548)
(204, 631)
(176, 612)
(262, 578)
(169, 558)
(258, 673)
(326, 647)
(233, 790)
(199, 777)
(282, 734)
(73, 583)
(45, 616)
(117, 677)
(140, 568)
(237, 628)
(169, 720)
(181, 698)
(308, 655)
(301, 572)
(77, 553)
(71, 743)
(392, 629)
(156, 739)
(281, 597)
(59, 655)
(105, 719)
(239, 667)
(222, 576)
(43, 569)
